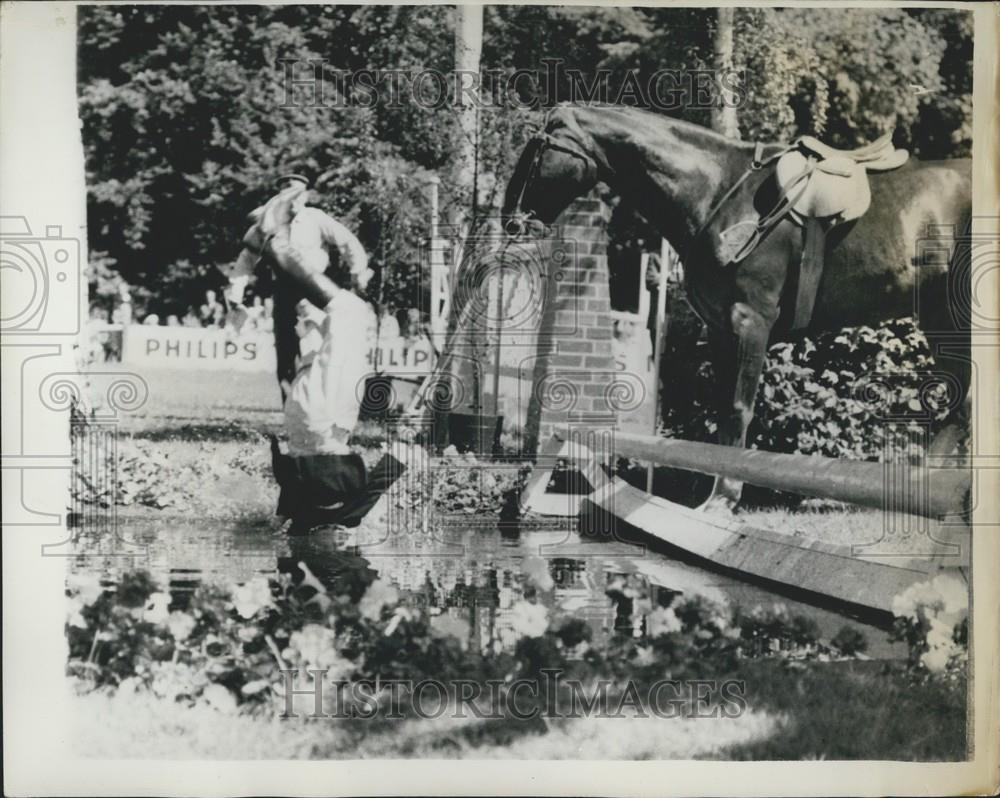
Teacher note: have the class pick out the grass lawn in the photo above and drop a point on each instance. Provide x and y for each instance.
(835, 710)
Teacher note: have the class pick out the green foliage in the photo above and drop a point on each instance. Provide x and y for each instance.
(230, 646)
(186, 120)
(849, 641)
(932, 618)
(862, 393)
(462, 484)
(145, 477)
(186, 124)
(851, 75)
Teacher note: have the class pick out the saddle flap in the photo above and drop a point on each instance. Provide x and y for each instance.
(835, 188)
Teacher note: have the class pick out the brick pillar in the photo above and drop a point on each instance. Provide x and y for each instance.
(574, 373)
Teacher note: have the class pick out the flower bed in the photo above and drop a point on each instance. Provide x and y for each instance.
(241, 646)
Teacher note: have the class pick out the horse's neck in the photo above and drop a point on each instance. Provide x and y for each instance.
(673, 173)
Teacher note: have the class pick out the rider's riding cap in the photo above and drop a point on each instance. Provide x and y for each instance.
(291, 177)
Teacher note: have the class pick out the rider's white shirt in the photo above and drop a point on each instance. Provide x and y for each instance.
(312, 231)
(323, 403)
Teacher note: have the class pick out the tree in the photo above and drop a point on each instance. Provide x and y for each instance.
(468, 49)
(187, 116)
(724, 113)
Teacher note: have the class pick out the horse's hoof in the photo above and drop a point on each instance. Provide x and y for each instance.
(719, 505)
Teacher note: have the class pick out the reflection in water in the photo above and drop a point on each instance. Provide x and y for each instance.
(475, 576)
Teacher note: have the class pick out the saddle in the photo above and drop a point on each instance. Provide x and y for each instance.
(821, 187)
(822, 182)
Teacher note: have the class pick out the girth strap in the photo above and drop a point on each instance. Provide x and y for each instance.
(810, 271)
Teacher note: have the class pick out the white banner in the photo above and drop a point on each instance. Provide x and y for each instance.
(207, 348)
(197, 348)
(398, 357)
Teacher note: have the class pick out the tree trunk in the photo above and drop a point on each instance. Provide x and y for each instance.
(724, 113)
(468, 48)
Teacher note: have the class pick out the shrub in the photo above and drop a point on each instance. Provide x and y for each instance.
(235, 646)
(849, 641)
(833, 395)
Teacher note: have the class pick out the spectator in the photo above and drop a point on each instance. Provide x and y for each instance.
(236, 319)
(211, 313)
(191, 319)
(255, 313)
(122, 314)
(173, 321)
(267, 320)
(388, 324)
(414, 324)
(152, 320)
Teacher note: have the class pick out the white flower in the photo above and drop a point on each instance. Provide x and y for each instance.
(401, 614)
(447, 626)
(173, 679)
(945, 597)
(529, 620)
(379, 594)
(315, 645)
(247, 633)
(74, 616)
(86, 586)
(939, 634)
(954, 593)
(251, 597)
(219, 698)
(180, 625)
(644, 656)
(661, 621)
(537, 570)
(254, 687)
(936, 659)
(156, 610)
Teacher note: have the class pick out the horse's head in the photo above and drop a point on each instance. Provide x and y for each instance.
(558, 165)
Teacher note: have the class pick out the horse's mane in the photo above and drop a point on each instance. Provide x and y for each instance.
(670, 125)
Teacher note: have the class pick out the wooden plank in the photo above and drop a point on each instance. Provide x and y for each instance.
(892, 488)
(826, 570)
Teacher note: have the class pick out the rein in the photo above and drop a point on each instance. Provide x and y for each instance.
(755, 166)
(545, 142)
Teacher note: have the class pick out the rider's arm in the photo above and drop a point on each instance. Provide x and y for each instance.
(352, 254)
(315, 286)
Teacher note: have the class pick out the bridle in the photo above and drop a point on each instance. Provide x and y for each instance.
(520, 220)
(765, 223)
(546, 141)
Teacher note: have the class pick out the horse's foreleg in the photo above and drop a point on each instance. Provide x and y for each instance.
(739, 361)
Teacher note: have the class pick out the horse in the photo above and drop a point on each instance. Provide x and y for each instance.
(692, 184)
